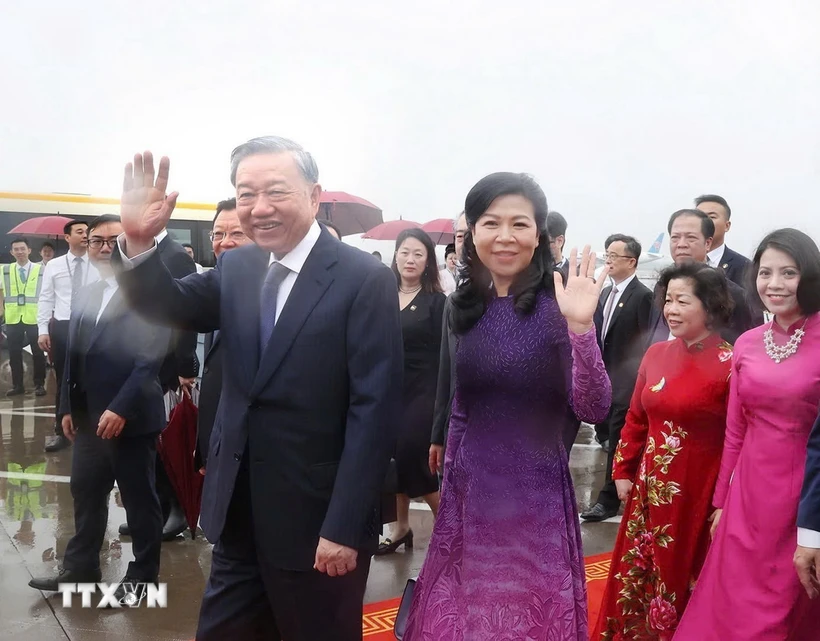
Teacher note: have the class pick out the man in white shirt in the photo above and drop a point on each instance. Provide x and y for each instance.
(62, 279)
(46, 253)
(21, 283)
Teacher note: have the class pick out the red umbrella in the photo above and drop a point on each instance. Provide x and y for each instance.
(42, 226)
(176, 448)
(440, 230)
(351, 214)
(390, 230)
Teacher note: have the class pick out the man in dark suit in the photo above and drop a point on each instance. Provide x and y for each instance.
(446, 386)
(111, 407)
(557, 231)
(690, 237)
(735, 266)
(807, 556)
(622, 324)
(179, 369)
(226, 234)
(310, 394)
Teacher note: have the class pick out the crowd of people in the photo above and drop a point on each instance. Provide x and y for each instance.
(332, 381)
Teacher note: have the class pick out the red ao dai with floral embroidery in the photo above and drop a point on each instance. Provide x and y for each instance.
(670, 448)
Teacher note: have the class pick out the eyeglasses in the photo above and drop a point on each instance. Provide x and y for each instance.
(219, 236)
(614, 256)
(96, 243)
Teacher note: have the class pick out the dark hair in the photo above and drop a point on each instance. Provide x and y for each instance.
(632, 246)
(19, 239)
(449, 249)
(229, 204)
(556, 225)
(188, 245)
(48, 243)
(711, 287)
(714, 198)
(377, 254)
(471, 298)
(330, 225)
(71, 224)
(707, 225)
(804, 252)
(102, 220)
(429, 277)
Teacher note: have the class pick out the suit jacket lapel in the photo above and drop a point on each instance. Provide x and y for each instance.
(310, 286)
(111, 311)
(622, 303)
(211, 341)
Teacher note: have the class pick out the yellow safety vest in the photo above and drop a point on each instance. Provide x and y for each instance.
(20, 299)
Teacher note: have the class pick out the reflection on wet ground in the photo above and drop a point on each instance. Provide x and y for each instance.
(36, 522)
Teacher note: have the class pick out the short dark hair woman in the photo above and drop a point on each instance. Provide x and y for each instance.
(748, 588)
(668, 458)
(422, 309)
(505, 560)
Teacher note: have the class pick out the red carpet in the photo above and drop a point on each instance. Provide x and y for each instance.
(379, 617)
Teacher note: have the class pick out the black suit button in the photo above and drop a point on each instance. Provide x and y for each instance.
(237, 457)
(254, 405)
(205, 370)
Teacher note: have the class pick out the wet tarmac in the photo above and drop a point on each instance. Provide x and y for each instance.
(36, 522)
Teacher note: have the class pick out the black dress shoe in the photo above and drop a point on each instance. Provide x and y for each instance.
(124, 530)
(598, 513)
(175, 525)
(51, 583)
(15, 391)
(389, 546)
(57, 443)
(39, 391)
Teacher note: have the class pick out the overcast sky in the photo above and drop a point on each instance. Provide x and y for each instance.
(624, 111)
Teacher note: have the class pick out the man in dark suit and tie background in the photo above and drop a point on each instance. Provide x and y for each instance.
(226, 234)
(179, 369)
(111, 407)
(807, 556)
(310, 395)
(622, 323)
(446, 385)
(690, 238)
(734, 265)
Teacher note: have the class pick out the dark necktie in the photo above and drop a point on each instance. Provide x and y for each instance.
(610, 303)
(77, 277)
(267, 303)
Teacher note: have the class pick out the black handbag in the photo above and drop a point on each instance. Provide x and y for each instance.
(404, 609)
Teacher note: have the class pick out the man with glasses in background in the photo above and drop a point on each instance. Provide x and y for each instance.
(227, 234)
(622, 324)
(62, 279)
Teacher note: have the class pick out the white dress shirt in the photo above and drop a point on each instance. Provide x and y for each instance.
(715, 256)
(808, 538)
(55, 296)
(294, 261)
(621, 287)
(108, 293)
(447, 280)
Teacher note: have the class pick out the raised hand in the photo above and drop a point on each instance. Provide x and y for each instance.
(579, 299)
(144, 207)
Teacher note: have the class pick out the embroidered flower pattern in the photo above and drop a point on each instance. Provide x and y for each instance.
(648, 611)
